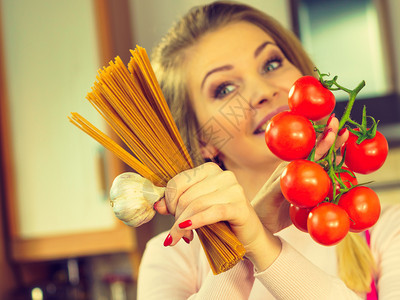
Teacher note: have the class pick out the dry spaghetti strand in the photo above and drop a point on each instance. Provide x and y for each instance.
(131, 102)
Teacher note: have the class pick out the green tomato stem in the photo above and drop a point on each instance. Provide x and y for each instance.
(349, 107)
(329, 161)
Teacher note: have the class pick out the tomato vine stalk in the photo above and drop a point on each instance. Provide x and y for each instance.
(329, 161)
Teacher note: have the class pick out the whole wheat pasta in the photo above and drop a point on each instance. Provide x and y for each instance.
(131, 102)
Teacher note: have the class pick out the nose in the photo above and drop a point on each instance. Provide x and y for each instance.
(263, 92)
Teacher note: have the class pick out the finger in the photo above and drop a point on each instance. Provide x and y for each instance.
(209, 185)
(227, 196)
(188, 236)
(327, 138)
(182, 181)
(342, 137)
(272, 184)
(175, 235)
(210, 215)
(224, 205)
(161, 207)
(338, 159)
(326, 141)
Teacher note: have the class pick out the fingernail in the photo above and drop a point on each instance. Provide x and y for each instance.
(168, 240)
(342, 131)
(330, 119)
(186, 240)
(155, 205)
(326, 133)
(185, 224)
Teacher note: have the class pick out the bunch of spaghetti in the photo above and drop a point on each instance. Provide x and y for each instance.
(131, 102)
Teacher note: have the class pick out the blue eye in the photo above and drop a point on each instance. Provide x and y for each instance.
(224, 89)
(272, 65)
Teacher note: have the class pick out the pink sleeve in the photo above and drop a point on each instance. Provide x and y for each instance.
(233, 284)
(166, 272)
(292, 276)
(176, 273)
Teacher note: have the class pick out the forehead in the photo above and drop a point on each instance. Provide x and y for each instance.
(225, 45)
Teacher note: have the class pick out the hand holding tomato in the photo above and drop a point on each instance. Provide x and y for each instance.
(270, 204)
(325, 199)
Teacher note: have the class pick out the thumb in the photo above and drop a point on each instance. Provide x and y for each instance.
(272, 185)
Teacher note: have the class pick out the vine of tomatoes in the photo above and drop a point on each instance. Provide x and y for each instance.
(325, 197)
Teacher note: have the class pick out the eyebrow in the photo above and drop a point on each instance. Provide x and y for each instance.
(261, 47)
(223, 68)
(230, 67)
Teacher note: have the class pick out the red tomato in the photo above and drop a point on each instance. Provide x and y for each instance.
(363, 207)
(328, 224)
(299, 216)
(304, 183)
(366, 157)
(346, 178)
(309, 98)
(290, 136)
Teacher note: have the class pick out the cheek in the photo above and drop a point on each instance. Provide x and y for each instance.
(235, 114)
(220, 124)
(294, 75)
(216, 133)
(287, 80)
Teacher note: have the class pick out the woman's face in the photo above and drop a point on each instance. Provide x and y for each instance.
(238, 79)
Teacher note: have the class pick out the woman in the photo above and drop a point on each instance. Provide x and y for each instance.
(225, 70)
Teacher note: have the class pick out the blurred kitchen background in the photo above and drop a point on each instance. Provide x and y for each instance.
(58, 236)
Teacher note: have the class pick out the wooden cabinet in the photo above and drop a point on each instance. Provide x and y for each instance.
(55, 178)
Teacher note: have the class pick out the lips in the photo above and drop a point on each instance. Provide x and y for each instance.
(264, 122)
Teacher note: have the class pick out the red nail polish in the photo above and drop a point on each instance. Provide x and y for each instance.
(342, 131)
(185, 224)
(326, 133)
(155, 205)
(186, 240)
(168, 240)
(330, 119)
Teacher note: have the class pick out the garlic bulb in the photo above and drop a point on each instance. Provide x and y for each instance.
(132, 198)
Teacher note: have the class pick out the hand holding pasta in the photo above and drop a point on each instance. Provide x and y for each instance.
(206, 195)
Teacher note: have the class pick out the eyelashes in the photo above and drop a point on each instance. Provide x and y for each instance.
(226, 88)
(272, 64)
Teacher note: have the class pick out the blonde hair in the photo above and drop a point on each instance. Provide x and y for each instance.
(168, 62)
(356, 264)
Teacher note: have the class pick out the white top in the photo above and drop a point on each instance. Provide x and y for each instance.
(182, 271)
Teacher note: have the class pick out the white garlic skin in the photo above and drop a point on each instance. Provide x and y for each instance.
(132, 198)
